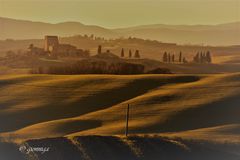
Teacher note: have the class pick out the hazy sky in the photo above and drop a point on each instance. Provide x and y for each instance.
(122, 13)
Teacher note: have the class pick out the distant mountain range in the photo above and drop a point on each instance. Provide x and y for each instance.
(222, 34)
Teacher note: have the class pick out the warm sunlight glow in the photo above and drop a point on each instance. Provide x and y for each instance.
(123, 13)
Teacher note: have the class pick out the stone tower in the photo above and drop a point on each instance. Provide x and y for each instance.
(51, 43)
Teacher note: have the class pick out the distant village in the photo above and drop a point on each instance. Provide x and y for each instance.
(61, 58)
(53, 48)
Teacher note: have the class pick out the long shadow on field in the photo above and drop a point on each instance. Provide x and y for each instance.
(222, 112)
(131, 148)
(13, 121)
(68, 127)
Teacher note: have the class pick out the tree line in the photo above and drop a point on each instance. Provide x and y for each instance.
(96, 67)
(99, 67)
(130, 54)
(200, 57)
(171, 58)
(122, 55)
(203, 57)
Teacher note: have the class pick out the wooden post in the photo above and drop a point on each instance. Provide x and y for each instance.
(127, 117)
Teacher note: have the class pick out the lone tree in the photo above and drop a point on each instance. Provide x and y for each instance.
(173, 58)
(208, 57)
(180, 57)
(130, 54)
(99, 49)
(137, 55)
(201, 57)
(122, 53)
(165, 57)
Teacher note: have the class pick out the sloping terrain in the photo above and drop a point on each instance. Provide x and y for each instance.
(118, 148)
(226, 133)
(201, 109)
(57, 97)
(50, 106)
(25, 64)
(32, 30)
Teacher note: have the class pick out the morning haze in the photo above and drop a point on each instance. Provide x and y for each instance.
(78, 83)
(118, 13)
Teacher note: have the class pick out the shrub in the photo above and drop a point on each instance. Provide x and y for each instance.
(159, 71)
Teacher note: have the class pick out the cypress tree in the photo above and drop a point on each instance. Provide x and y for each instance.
(122, 53)
(165, 57)
(201, 58)
(130, 53)
(137, 55)
(208, 57)
(180, 57)
(198, 57)
(99, 49)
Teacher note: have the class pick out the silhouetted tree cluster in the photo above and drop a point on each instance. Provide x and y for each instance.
(137, 54)
(144, 42)
(159, 71)
(171, 58)
(130, 40)
(99, 49)
(165, 57)
(130, 55)
(180, 57)
(203, 57)
(98, 67)
(75, 53)
(89, 37)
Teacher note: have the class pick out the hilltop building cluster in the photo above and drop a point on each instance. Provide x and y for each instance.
(52, 47)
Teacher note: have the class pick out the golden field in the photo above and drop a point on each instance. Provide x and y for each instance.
(43, 106)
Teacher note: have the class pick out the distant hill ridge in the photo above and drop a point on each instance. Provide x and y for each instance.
(222, 34)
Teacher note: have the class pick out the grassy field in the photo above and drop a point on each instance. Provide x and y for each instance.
(190, 115)
(44, 106)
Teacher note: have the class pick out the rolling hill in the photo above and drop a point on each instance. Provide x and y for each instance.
(190, 115)
(83, 105)
(35, 30)
(222, 34)
(119, 148)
